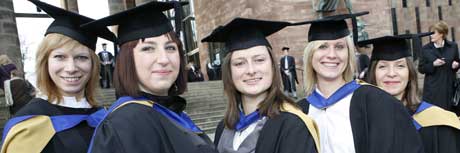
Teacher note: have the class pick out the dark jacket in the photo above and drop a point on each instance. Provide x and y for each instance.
(438, 83)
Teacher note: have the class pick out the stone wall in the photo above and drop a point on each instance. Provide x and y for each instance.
(211, 13)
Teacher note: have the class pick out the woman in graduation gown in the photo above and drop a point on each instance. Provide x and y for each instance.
(392, 70)
(259, 117)
(351, 116)
(149, 75)
(63, 116)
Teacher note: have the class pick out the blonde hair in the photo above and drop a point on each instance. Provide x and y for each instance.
(44, 81)
(309, 74)
(440, 27)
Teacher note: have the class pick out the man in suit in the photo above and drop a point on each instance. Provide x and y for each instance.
(106, 71)
(288, 73)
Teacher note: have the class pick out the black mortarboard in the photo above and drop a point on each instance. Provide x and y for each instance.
(68, 23)
(285, 48)
(391, 47)
(330, 27)
(143, 21)
(243, 33)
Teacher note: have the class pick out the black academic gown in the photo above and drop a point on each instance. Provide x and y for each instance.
(136, 128)
(74, 140)
(285, 133)
(440, 139)
(379, 122)
(288, 82)
(439, 81)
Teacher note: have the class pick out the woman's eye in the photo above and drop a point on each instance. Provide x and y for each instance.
(59, 56)
(82, 57)
(401, 66)
(339, 47)
(238, 63)
(323, 47)
(147, 48)
(260, 60)
(381, 66)
(171, 48)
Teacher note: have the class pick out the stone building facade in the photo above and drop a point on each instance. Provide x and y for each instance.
(386, 17)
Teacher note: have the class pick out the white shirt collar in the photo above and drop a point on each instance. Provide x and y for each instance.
(442, 44)
(69, 102)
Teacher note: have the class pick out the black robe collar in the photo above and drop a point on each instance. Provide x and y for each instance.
(176, 104)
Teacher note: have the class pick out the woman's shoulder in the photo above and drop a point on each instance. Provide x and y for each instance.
(36, 106)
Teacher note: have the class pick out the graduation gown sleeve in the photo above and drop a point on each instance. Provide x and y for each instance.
(440, 139)
(285, 133)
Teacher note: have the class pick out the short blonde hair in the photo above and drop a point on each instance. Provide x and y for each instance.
(440, 27)
(309, 73)
(44, 81)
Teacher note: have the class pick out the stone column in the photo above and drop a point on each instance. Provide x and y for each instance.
(9, 40)
(71, 5)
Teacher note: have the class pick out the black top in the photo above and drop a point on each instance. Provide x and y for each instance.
(68, 23)
(74, 140)
(243, 33)
(330, 27)
(143, 21)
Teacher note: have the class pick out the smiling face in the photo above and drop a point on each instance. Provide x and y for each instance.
(157, 63)
(70, 70)
(392, 76)
(330, 59)
(251, 70)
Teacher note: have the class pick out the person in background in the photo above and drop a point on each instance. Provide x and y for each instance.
(363, 54)
(194, 73)
(288, 73)
(106, 59)
(439, 62)
(64, 114)
(393, 70)
(259, 117)
(18, 91)
(352, 116)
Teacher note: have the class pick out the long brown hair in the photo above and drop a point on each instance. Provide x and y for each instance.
(125, 79)
(45, 83)
(269, 107)
(411, 97)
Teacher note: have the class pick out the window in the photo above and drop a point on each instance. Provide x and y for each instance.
(394, 21)
(440, 12)
(417, 19)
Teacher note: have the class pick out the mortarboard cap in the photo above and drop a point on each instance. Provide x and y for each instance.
(330, 27)
(391, 47)
(143, 21)
(243, 33)
(285, 48)
(68, 23)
